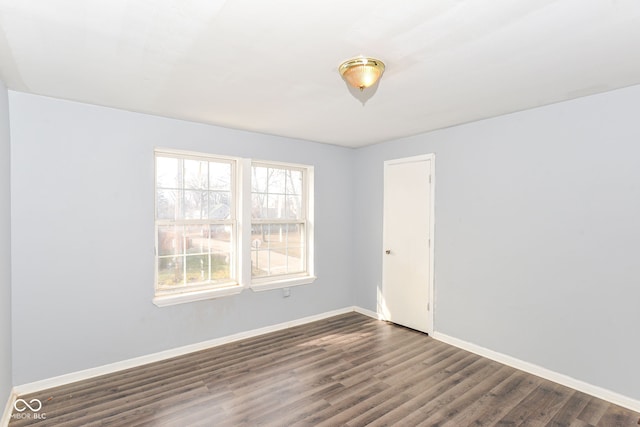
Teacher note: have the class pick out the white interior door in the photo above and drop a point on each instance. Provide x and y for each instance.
(407, 280)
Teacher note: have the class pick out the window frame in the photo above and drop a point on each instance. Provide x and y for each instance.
(198, 291)
(307, 276)
(240, 263)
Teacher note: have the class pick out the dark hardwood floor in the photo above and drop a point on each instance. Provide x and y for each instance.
(346, 370)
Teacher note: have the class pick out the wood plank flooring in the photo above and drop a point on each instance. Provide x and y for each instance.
(348, 370)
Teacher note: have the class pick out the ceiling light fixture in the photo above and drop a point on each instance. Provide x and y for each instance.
(361, 72)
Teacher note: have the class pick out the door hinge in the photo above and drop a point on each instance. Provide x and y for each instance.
(428, 306)
(429, 179)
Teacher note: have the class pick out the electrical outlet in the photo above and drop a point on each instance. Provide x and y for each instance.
(286, 292)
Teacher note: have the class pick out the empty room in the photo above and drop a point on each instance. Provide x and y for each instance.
(242, 213)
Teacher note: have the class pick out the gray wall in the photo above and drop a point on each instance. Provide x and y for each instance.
(5, 249)
(537, 243)
(83, 233)
(537, 238)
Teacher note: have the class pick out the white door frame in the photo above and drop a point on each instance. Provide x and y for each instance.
(423, 157)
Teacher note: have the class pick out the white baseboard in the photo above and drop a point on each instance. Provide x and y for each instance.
(599, 392)
(366, 312)
(167, 354)
(8, 408)
(531, 368)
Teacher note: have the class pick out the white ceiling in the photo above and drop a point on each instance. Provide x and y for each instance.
(271, 66)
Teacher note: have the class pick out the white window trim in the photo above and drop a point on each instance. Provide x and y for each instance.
(258, 285)
(283, 281)
(181, 295)
(242, 273)
(197, 295)
(244, 220)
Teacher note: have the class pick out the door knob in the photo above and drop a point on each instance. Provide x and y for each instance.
(388, 251)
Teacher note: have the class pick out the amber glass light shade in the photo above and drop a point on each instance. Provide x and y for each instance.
(361, 72)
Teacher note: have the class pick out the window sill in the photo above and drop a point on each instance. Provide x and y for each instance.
(281, 283)
(185, 297)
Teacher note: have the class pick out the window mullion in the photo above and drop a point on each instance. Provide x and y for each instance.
(244, 221)
(282, 190)
(184, 255)
(278, 221)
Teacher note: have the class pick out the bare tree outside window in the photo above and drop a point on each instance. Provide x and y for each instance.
(278, 221)
(203, 249)
(195, 222)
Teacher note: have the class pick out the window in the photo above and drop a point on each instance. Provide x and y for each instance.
(195, 224)
(278, 222)
(224, 224)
